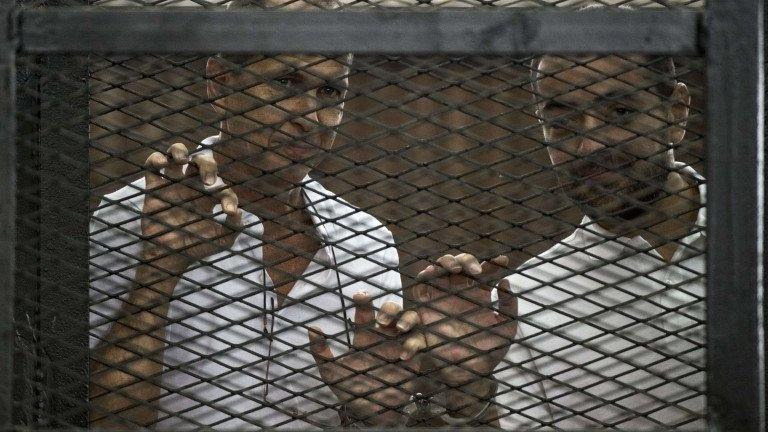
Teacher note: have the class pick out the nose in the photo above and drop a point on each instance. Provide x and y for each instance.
(590, 140)
(302, 110)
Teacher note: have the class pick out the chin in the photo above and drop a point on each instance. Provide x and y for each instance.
(617, 214)
(295, 173)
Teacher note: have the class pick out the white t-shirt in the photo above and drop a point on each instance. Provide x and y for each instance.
(234, 359)
(609, 335)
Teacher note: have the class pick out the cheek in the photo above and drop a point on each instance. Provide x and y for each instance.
(266, 116)
(259, 105)
(331, 117)
(644, 148)
(652, 126)
(329, 120)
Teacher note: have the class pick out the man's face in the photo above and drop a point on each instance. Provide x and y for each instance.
(284, 110)
(608, 140)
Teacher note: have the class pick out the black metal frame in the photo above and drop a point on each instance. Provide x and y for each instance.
(8, 206)
(731, 36)
(735, 350)
(378, 32)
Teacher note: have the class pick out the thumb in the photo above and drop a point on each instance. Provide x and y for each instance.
(322, 354)
(318, 345)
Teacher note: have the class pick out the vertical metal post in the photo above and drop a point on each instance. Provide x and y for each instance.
(735, 206)
(64, 216)
(7, 206)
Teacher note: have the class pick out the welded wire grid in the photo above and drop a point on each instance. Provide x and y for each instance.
(407, 4)
(447, 153)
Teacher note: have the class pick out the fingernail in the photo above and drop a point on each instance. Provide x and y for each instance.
(402, 327)
(360, 297)
(475, 269)
(209, 179)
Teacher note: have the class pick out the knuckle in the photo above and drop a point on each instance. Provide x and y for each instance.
(205, 159)
(155, 159)
(446, 260)
(361, 298)
(155, 156)
(391, 307)
(178, 148)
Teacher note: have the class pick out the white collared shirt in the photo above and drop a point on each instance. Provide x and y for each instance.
(609, 335)
(234, 359)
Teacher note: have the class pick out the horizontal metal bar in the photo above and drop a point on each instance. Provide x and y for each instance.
(507, 31)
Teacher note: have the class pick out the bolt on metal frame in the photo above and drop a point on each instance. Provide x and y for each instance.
(730, 34)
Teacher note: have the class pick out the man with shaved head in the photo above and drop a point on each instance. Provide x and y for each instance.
(225, 283)
(610, 328)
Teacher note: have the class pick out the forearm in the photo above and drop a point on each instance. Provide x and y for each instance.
(125, 366)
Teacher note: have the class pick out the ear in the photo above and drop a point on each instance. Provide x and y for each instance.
(218, 78)
(680, 102)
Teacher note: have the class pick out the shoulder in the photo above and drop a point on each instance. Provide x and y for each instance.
(344, 216)
(552, 264)
(353, 230)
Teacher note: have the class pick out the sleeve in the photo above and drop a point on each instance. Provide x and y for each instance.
(114, 239)
(521, 394)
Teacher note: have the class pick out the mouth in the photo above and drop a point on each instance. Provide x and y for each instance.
(596, 176)
(295, 149)
(604, 179)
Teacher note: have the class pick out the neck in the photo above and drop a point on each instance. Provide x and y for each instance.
(265, 193)
(669, 219)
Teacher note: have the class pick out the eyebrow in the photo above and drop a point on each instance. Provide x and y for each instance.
(620, 94)
(280, 69)
(552, 103)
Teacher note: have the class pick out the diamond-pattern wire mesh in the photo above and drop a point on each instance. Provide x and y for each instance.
(402, 4)
(448, 154)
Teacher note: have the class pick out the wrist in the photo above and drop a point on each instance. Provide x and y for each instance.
(163, 260)
(460, 401)
(471, 403)
(456, 409)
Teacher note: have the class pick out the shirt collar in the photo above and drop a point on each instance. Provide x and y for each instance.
(316, 198)
(322, 205)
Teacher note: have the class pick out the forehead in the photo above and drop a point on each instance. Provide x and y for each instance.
(321, 67)
(593, 76)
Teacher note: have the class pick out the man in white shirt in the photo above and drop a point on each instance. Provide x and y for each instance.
(611, 319)
(204, 297)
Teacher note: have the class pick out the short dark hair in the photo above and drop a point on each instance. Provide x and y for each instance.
(240, 60)
(663, 66)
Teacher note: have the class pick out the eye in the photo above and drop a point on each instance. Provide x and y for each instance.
(624, 111)
(329, 92)
(286, 81)
(562, 121)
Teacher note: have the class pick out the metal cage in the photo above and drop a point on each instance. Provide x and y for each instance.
(728, 34)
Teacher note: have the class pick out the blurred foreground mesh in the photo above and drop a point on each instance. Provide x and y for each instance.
(447, 152)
